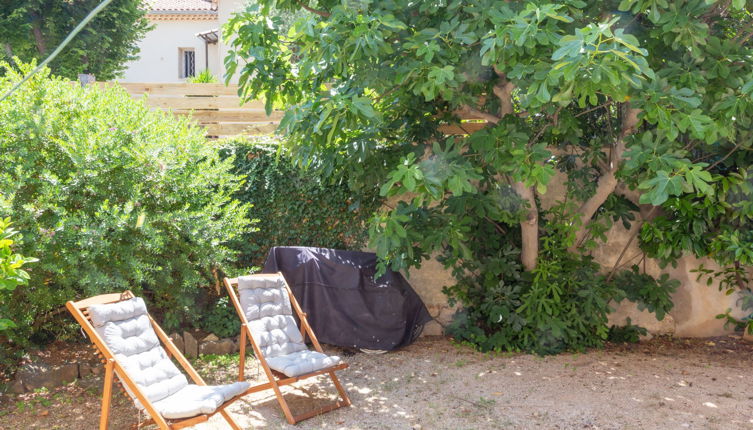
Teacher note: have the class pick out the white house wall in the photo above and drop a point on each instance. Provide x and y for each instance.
(225, 9)
(159, 57)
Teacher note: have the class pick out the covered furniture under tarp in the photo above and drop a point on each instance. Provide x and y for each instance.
(346, 304)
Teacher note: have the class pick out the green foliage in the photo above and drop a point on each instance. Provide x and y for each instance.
(628, 333)
(654, 295)
(33, 29)
(221, 319)
(293, 207)
(110, 196)
(563, 304)
(11, 272)
(649, 95)
(204, 77)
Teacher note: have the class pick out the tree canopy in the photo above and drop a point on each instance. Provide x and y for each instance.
(611, 99)
(31, 29)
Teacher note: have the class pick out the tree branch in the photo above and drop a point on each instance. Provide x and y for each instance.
(593, 109)
(316, 11)
(608, 181)
(554, 118)
(634, 230)
(504, 94)
(468, 110)
(737, 146)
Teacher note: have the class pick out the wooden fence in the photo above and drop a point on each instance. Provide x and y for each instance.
(218, 108)
(215, 107)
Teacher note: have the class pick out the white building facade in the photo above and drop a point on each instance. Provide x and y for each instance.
(186, 40)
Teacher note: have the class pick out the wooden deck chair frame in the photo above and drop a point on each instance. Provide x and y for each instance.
(80, 311)
(277, 379)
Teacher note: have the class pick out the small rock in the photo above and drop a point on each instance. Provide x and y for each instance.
(211, 338)
(446, 315)
(218, 347)
(39, 375)
(416, 427)
(190, 345)
(178, 342)
(87, 368)
(17, 387)
(432, 328)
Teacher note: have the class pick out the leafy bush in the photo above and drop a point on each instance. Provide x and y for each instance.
(204, 77)
(654, 295)
(221, 319)
(294, 207)
(563, 304)
(628, 333)
(11, 273)
(110, 196)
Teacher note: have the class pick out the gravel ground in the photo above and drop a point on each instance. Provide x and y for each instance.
(434, 384)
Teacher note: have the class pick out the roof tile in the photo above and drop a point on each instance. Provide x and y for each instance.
(181, 5)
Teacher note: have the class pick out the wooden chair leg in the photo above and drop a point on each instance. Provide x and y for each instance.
(282, 402)
(340, 389)
(230, 420)
(106, 395)
(242, 361)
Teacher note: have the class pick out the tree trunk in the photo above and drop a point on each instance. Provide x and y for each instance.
(8, 50)
(529, 227)
(608, 181)
(36, 28)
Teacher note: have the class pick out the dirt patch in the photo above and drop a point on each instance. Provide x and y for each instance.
(434, 384)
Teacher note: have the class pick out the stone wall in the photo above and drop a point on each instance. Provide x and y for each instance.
(696, 303)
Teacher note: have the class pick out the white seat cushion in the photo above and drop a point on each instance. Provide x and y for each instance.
(194, 400)
(126, 329)
(302, 362)
(265, 301)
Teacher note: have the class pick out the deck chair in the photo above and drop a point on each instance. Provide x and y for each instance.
(265, 308)
(128, 339)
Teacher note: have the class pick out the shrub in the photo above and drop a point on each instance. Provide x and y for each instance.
(294, 207)
(221, 319)
(110, 196)
(563, 304)
(628, 333)
(11, 273)
(204, 77)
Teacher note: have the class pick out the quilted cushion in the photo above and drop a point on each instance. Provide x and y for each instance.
(126, 329)
(193, 400)
(302, 362)
(264, 299)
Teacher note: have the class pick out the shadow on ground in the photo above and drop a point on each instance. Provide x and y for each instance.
(433, 384)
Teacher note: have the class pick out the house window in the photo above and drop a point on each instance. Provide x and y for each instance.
(187, 62)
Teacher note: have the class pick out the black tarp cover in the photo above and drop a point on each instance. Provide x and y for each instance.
(346, 306)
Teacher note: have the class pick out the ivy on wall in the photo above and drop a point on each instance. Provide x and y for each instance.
(293, 207)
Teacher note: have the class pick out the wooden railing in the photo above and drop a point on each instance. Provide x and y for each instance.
(218, 108)
(215, 107)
